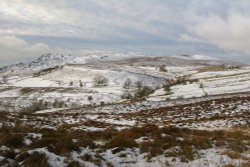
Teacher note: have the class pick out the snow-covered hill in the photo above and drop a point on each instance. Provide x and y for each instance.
(51, 60)
(116, 109)
(101, 78)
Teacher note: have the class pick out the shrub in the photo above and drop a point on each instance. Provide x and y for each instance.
(126, 95)
(3, 116)
(74, 164)
(46, 71)
(143, 92)
(58, 145)
(10, 154)
(23, 156)
(121, 141)
(100, 80)
(162, 68)
(127, 84)
(180, 97)
(109, 164)
(167, 88)
(44, 142)
(201, 85)
(233, 154)
(86, 142)
(187, 153)
(86, 157)
(36, 159)
(58, 104)
(67, 126)
(90, 98)
(138, 84)
(12, 140)
(90, 158)
(80, 83)
(26, 91)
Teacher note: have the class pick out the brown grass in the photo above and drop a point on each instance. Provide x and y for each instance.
(60, 141)
(246, 164)
(74, 164)
(36, 159)
(11, 140)
(229, 165)
(90, 158)
(212, 68)
(233, 154)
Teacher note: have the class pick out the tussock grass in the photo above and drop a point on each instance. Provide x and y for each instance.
(63, 140)
(74, 164)
(36, 159)
(11, 140)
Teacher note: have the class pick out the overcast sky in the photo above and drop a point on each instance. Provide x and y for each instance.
(29, 28)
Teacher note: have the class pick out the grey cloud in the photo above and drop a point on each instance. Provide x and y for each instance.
(152, 26)
(93, 19)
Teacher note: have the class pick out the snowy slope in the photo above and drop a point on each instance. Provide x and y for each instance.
(52, 60)
(71, 81)
(83, 111)
(196, 57)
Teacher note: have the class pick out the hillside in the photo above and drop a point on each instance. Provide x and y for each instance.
(117, 109)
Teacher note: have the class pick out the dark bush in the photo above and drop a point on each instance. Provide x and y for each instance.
(121, 141)
(36, 159)
(143, 92)
(74, 164)
(12, 140)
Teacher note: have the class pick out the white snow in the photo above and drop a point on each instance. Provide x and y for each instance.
(50, 110)
(203, 57)
(196, 57)
(213, 74)
(186, 91)
(33, 82)
(87, 128)
(27, 141)
(211, 158)
(34, 135)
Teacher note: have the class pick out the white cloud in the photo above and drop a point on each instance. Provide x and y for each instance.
(230, 33)
(14, 49)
